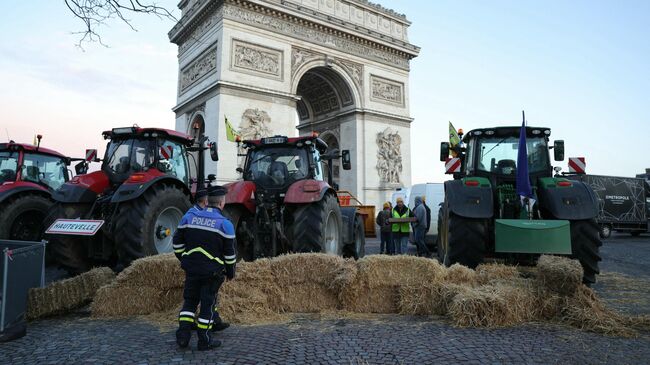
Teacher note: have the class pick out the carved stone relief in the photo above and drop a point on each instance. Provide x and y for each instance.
(322, 37)
(355, 71)
(257, 59)
(389, 156)
(200, 30)
(255, 124)
(385, 90)
(300, 56)
(203, 65)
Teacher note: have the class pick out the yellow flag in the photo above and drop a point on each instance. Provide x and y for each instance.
(231, 133)
(454, 139)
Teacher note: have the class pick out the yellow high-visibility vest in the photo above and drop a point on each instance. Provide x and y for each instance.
(401, 227)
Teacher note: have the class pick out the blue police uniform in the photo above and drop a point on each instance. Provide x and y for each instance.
(205, 245)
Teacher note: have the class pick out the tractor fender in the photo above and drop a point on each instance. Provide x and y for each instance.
(348, 215)
(307, 191)
(11, 190)
(82, 188)
(575, 202)
(469, 201)
(241, 192)
(134, 189)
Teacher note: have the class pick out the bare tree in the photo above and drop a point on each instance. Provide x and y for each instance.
(94, 13)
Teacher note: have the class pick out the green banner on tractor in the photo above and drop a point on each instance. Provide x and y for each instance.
(532, 236)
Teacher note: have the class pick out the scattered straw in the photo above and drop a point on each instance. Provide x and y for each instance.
(64, 295)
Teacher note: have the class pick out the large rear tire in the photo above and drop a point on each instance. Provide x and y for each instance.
(585, 245)
(317, 227)
(70, 252)
(22, 218)
(241, 219)
(145, 226)
(359, 243)
(461, 240)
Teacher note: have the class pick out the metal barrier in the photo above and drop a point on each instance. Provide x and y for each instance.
(22, 266)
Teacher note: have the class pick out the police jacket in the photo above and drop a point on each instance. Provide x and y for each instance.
(205, 243)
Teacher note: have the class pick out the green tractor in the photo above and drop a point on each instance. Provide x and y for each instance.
(483, 215)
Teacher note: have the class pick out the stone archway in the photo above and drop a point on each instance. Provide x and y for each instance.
(341, 65)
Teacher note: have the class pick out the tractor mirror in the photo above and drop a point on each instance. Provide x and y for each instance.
(81, 168)
(214, 154)
(444, 151)
(346, 160)
(558, 150)
(298, 164)
(212, 177)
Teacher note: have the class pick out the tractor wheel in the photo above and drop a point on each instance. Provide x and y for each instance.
(241, 219)
(462, 240)
(145, 226)
(317, 227)
(605, 231)
(22, 218)
(585, 245)
(70, 252)
(358, 249)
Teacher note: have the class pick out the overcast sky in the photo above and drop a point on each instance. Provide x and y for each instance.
(581, 68)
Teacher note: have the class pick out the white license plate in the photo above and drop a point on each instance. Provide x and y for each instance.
(77, 227)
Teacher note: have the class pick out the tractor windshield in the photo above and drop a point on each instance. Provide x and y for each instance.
(129, 155)
(44, 169)
(278, 166)
(499, 154)
(8, 166)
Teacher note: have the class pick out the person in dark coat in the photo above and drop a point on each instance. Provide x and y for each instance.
(420, 226)
(386, 246)
(205, 245)
(426, 207)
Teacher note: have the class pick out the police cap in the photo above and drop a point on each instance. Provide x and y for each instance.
(217, 190)
(201, 193)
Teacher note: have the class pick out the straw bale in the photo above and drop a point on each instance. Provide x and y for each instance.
(493, 306)
(241, 305)
(315, 268)
(489, 273)
(559, 274)
(308, 298)
(459, 274)
(64, 295)
(158, 271)
(117, 300)
(429, 299)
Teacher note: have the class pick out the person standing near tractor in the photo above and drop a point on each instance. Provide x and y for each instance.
(420, 227)
(386, 246)
(201, 198)
(204, 243)
(401, 229)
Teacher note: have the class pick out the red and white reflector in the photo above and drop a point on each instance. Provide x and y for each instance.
(452, 165)
(166, 152)
(91, 155)
(577, 165)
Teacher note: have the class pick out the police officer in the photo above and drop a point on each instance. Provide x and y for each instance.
(201, 198)
(204, 243)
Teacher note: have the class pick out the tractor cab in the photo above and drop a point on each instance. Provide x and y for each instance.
(135, 154)
(274, 163)
(32, 164)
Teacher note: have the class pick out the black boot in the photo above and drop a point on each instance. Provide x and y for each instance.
(219, 326)
(206, 342)
(184, 334)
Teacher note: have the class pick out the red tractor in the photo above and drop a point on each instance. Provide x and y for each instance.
(28, 176)
(132, 206)
(283, 205)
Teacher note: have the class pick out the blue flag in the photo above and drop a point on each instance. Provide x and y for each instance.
(523, 181)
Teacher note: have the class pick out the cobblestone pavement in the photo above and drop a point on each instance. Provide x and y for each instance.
(370, 340)
(383, 340)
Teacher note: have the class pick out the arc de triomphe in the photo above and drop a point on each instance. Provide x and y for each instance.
(289, 67)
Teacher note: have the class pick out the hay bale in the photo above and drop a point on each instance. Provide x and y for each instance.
(64, 295)
(116, 300)
(307, 298)
(158, 271)
(316, 268)
(375, 287)
(493, 306)
(459, 274)
(428, 299)
(559, 274)
(490, 273)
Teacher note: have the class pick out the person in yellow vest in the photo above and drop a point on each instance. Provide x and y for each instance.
(401, 230)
